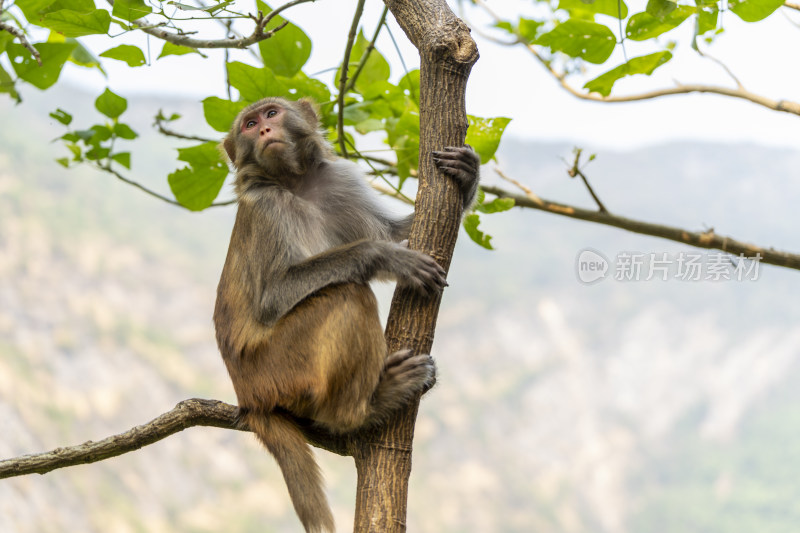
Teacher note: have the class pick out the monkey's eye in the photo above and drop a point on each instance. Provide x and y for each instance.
(250, 124)
(271, 113)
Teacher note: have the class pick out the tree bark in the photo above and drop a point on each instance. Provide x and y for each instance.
(447, 53)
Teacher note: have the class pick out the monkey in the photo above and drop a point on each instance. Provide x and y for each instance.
(296, 321)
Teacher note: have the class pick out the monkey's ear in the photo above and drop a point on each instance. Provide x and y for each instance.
(230, 148)
(308, 108)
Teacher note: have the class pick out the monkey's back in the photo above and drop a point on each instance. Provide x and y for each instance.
(322, 361)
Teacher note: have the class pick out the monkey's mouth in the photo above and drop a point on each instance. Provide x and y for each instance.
(271, 142)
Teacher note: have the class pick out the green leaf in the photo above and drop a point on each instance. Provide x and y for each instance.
(599, 7)
(498, 205)
(96, 134)
(123, 158)
(197, 185)
(579, 38)
(77, 155)
(72, 23)
(660, 8)
(707, 19)
(81, 55)
(484, 135)
(254, 83)
(376, 69)
(643, 26)
(754, 10)
(209, 9)
(96, 153)
(637, 65)
(123, 131)
(130, 54)
(504, 25)
(110, 104)
(301, 86)
(409, 83)
(62, 116)
(34, 9)
(63, 161)
(355, 113)
(172, 117)
(369, 125)
(7, 85)
(471, 223)
(175, 50)
(5, 38)
(53, 56)
(287, 50)
(220, 113)
(403, 137)
(529, 28)
(130, 9)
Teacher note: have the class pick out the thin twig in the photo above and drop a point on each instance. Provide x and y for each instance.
(575, 170)
(696, 48)
(169, 133)
(153, 193)
(792, 5)
(365, 55)
(183, 38)
(707, 239)
(343, 78)
(20, 35)
(414, 95)
(378, 173)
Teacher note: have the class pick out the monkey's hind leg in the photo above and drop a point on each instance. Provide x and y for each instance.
(404, 376)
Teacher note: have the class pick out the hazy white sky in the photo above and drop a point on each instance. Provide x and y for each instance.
(509, 82)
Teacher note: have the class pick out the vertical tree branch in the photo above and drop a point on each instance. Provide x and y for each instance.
(447, 53)
(343, 78)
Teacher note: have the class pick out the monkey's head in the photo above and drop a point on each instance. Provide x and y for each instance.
(280, 137)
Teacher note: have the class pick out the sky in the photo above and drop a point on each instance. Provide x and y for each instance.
(508, 81)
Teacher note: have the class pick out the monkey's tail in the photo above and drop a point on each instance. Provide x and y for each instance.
(286, 443)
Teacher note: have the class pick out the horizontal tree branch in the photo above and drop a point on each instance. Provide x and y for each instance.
(188, 413)
(706, 239)
(792, 5)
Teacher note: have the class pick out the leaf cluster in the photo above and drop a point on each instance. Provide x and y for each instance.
(592, 30)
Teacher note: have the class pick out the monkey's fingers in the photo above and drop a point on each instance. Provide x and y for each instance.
(397, 358)
(464, 154)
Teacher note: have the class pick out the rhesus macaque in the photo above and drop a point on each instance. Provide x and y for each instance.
(296, 320)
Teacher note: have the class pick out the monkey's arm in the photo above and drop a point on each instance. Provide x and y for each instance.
(357, 262)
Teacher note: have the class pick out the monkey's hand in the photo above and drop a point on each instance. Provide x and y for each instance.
(462, 164)
(417, 270)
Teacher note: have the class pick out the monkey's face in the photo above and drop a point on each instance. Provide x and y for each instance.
(265, 131)
(279, 136)
(272, 132)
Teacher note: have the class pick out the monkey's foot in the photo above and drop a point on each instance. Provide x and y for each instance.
(406, 368)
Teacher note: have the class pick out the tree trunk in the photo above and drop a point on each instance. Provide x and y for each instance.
(447, 53)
